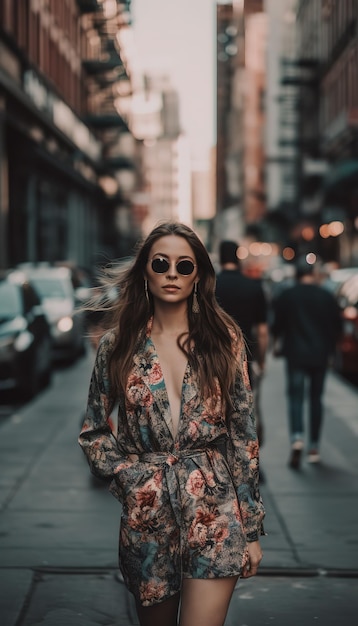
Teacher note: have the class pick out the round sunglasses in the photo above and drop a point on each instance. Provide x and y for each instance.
(184, 267)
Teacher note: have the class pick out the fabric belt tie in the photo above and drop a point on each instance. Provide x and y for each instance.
(168, 460)
(171, 458)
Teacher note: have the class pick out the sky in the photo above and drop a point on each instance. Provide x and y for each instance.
(178, 36)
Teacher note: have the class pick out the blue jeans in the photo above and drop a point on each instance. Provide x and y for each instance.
(297, 379)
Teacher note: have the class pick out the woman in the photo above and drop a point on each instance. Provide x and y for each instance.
(184, 463)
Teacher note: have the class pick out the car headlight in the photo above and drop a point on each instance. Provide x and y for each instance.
(65, 324)
(23, 341)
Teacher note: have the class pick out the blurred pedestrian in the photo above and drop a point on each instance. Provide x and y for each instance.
(306, 325)
(244, 299)
(184, 463)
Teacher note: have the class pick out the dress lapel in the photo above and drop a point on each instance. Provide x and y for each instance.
(150, 371)
(151, 374)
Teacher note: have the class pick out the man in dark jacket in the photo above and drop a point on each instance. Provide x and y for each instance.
(244, 299)
(306, 322)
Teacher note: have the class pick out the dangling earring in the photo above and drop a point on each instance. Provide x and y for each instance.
(195, 305)
(146, 290)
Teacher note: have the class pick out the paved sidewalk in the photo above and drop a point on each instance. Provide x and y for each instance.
(59, 527)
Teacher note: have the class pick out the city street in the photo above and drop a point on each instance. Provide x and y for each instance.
(133, 133)
(59, 526)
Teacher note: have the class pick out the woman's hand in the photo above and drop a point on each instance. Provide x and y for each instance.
(255, 556)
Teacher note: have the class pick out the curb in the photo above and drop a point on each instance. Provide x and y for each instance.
(306, 572)
(293, 572)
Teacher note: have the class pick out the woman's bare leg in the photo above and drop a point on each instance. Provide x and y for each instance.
(162, 614)
(206, 602)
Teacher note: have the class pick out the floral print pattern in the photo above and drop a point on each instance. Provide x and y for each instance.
(188, 510)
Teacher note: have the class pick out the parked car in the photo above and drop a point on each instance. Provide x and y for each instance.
(81, 278)
(25, 337)
(346, 359)
(62, 309)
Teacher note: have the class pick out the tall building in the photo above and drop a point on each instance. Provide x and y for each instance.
(60, 68)
(337, 30)
(283, 138)
(166, 160)
(240, 162)
(254, 114)
(225, 34)
(324, 74)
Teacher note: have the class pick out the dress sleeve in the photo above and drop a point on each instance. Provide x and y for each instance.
(96, 437)
(243, 451)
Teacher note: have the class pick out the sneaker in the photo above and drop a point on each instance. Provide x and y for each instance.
(296, 452)
(313, 456)
(297, 444)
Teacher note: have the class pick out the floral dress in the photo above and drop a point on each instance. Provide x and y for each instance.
(189, 504)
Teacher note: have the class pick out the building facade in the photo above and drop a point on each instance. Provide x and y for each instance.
(328, 39)
(59, 67)
(166, 156)
(241, 77)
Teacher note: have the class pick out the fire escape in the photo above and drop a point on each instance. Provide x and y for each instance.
(108, 83)
(108, 79)
(299, 134)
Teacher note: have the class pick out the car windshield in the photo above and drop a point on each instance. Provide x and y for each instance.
(10, 301)
(50, 287)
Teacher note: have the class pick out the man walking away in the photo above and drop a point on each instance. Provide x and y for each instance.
(306, 323)
(244, 299)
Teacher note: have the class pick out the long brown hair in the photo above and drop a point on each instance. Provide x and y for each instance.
(212, 358)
